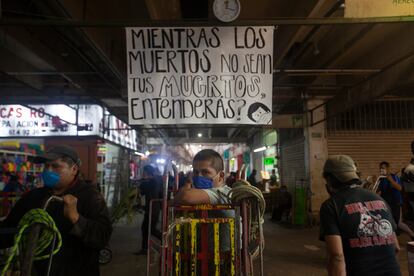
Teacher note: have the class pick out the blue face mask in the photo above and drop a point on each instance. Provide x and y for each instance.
(202, 182)
(50, 178)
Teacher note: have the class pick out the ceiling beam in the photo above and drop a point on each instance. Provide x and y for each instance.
(187, 23)
(319, 10)
(397, 74)
(287, 121)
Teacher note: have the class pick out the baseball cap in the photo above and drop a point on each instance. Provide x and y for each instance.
(58, 152)
(342, 167)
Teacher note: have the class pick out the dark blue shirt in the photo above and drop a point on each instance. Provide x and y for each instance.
(388, 192)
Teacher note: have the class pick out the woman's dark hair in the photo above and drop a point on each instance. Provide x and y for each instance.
(253, 107)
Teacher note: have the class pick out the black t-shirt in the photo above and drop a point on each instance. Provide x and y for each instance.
(365, 224)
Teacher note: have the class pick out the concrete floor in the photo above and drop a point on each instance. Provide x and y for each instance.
(289, 251)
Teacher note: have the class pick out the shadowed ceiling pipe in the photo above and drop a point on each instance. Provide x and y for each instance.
(57, 8)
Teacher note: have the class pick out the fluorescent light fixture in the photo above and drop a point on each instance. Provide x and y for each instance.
(140, 154)
(200, 134)
(260, 149)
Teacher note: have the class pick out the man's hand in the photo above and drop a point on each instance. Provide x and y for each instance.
(70, 210)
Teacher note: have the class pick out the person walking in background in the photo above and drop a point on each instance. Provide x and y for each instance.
(252, 178)
(282, 204)
(151, 188)
(356, 224)
(407, 181)
(390, 189)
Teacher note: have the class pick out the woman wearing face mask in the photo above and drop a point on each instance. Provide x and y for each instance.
(82, 219)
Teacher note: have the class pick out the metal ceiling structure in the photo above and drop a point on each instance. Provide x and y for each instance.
(73, 51)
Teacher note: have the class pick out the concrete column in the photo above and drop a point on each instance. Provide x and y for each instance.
(316, 153)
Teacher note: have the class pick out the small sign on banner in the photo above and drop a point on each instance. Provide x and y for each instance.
(378, 8)
(200, 75)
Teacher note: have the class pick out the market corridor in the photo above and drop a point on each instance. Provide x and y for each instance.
(288, 251)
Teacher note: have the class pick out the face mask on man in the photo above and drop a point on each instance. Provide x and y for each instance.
(50, 178)
(202, 182)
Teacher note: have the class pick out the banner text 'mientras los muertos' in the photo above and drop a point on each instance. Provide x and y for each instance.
(216, 75)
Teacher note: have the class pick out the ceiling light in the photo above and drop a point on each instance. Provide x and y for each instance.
(147, 153)
(200, 134)
(260, 149)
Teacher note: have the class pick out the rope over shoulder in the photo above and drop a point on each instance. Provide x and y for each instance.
(49, 229)
(243, 190)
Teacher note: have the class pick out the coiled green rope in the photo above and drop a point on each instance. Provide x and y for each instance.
(49, 229)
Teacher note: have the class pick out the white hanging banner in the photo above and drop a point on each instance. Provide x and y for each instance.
(214, 75)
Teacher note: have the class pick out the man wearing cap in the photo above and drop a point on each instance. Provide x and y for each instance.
(82, 218)
(356, 224)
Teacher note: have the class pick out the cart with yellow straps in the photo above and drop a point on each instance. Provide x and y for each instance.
(192, 241)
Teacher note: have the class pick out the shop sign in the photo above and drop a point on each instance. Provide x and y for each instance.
(378, 8)
(49, 120)
(60, 120)
(269, 161)
(198, 75)
(119, 132)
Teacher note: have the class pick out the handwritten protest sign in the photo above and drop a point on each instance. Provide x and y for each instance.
(214, 75)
